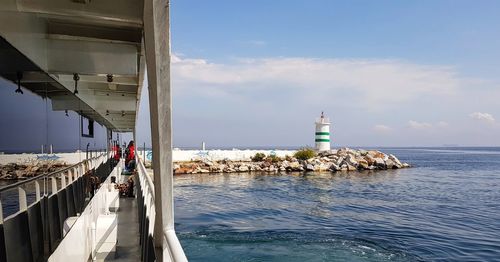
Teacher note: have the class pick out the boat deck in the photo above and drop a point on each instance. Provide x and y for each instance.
(128, 247)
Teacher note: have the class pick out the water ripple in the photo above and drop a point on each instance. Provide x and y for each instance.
(445, 209)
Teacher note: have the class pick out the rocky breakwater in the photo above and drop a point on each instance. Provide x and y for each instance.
(343, 159)
(14, 171)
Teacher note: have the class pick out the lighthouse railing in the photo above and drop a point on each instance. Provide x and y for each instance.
(323, 120)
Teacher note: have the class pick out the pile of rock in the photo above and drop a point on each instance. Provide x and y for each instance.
(343, 159)
(25, 170)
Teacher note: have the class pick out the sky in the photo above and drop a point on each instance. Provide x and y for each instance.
(386, 73)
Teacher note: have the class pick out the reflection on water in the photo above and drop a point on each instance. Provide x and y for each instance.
(446, 208)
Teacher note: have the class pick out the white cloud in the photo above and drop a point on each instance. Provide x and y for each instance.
(486, 117)
(442, 124)
(365, 97)
(419, 125)
(382, 128)
(374, 84)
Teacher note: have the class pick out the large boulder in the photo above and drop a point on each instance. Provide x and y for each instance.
(325, 159)
(390, 164)
(339, 161)
(327, 153)
(380, 163)
(370, 160)
(351, 160)
(207, 163)
(363, 164)
(334, 168)
(351, 168)
(375, 154)
(243, 168)
(323, 166)
(395, 160)
(295, 165)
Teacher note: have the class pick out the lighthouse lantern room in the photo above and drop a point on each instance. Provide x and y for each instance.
(322, 135)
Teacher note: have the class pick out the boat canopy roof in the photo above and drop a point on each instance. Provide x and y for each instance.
(86, 56)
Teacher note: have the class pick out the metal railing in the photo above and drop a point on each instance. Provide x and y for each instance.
(93, 234)
(147, 213)
(43, 203)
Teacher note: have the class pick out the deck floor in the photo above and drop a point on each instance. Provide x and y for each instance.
(127, 248)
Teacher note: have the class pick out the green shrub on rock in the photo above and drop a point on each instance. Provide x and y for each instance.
(274, 158)
(258, 157)
(305, 153)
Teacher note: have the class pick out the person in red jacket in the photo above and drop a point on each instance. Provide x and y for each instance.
(130, 156)
(116, 152)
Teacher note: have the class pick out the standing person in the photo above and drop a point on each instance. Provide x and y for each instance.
(130, 156)
(116, 151)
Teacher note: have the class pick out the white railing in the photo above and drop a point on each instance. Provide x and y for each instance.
(94, 232)
(148, 195)
(63, 192)
(171, 244)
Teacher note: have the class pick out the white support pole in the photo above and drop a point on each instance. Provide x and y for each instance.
(23, 201)
(54, 185)
(1, 212)
(37, 191)
(157, 49)
(45, 182)
(70, 176)
(63, 181)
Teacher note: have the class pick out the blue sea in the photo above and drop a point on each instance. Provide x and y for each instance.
(445, 208)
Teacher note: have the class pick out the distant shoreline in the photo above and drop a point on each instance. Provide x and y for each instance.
(140, 148)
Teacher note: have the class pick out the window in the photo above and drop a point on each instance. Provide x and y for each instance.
(87, 127)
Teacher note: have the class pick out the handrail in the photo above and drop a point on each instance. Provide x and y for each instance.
(149, 182)
(25, 181)
(66, 199)
(43, 186)
(171, 245)
(174, 246)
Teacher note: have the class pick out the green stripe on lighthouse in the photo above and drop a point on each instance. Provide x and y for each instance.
(322, 140)
(322, 133)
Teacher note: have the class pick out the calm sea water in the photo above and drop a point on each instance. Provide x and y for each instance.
(446, 208)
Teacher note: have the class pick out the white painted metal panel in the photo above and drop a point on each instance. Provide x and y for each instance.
(87, 57)
(27, 33)
(118, 11)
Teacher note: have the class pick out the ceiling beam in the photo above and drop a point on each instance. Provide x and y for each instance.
(100, 78)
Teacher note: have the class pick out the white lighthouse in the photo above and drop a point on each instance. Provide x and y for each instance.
(322, 135)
